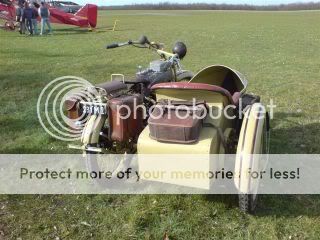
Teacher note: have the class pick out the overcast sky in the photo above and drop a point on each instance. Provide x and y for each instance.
(253, 2)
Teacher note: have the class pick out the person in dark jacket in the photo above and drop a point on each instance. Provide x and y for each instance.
(27, 17)
(35, 16)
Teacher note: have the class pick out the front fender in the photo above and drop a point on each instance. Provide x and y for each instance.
(92, 129)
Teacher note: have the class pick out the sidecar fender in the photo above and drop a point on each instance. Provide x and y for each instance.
(249, 149)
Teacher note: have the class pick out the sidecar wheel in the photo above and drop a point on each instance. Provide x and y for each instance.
(248, 202)
(184, 76)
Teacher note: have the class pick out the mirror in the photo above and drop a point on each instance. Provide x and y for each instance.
(180, 49)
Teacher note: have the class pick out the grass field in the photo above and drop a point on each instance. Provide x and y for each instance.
(277, 51)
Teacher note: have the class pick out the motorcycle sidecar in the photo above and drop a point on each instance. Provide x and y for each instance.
(222, 89)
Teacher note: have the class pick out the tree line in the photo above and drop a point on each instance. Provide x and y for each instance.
(213, 6)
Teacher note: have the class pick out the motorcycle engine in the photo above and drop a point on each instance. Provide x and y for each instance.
(159, 66)
(159, 71)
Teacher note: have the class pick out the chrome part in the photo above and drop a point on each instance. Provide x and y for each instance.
(117, 77)
(87, 148)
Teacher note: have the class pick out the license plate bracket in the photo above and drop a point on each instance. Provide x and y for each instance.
(93, 108)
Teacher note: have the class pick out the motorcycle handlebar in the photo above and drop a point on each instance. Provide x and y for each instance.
(113, 45)
(142, 41)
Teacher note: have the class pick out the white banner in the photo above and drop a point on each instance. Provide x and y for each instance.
(159, 174)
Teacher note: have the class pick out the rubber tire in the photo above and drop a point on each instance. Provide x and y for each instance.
(247, 203)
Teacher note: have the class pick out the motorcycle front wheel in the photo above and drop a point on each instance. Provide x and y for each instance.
(109, 166)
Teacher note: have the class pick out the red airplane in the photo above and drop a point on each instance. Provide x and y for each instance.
(85, 17)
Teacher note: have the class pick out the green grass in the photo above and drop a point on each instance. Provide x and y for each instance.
(277, 51)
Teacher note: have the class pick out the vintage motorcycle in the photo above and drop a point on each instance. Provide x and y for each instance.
(103, 132)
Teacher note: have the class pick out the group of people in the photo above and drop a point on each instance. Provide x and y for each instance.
(28, 13)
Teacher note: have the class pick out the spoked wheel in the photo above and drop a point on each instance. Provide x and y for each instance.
(9, 26)
(108, 166)
(252, 143)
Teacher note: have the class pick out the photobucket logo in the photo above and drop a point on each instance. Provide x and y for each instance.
(238, 111)
(65, 105)
(193, 109)
(51, 107)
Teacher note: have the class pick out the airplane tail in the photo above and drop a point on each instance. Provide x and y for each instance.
(90, 12)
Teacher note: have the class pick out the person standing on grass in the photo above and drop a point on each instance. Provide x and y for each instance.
(35, 16)
(27, 17)
(45, 15)
(19, 14)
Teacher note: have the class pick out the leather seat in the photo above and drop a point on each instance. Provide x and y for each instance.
(113, 86)
(199, 86)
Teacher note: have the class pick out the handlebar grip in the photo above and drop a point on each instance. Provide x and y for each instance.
(114, 45)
